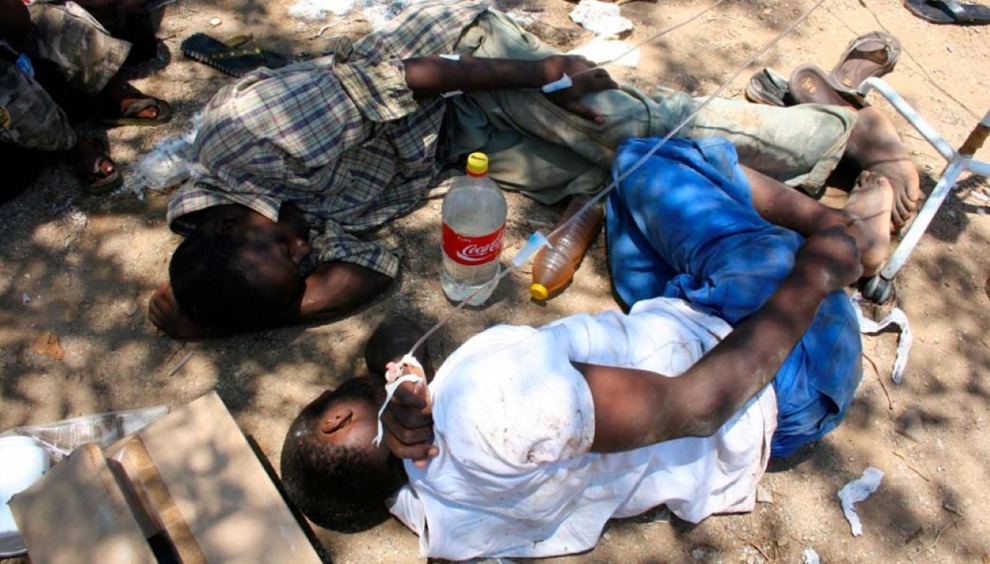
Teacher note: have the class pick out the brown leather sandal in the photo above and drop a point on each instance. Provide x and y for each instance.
(871, 55)
(126, 107)
(810, 85)
(95, 167)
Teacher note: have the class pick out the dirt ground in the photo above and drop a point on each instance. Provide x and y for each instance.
(76, 272)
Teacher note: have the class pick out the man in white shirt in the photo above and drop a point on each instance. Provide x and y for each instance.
(528, 440)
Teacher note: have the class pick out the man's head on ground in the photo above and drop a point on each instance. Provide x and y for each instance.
(330, 468)
(239, 269)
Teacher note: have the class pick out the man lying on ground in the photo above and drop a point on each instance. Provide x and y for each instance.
(528, 440)
(60, 67)
(304, 161)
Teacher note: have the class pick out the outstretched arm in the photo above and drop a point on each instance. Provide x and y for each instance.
(338, 288)
(635, 408)
(433, 76)
(333, 290)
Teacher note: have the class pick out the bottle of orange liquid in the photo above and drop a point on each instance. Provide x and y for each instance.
(554, 265)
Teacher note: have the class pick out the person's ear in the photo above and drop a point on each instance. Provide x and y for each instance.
(326, 425)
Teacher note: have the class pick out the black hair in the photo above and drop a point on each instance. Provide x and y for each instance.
(339, 488)
(215, 285)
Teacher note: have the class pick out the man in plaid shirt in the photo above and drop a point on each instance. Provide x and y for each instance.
(303, 160)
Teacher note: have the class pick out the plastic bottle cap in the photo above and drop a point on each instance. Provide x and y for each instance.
(477, 164)
(539, 291)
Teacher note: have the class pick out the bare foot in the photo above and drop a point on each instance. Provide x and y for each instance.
(876, 146)
(871, 201)
(165, 313)
(904, 181)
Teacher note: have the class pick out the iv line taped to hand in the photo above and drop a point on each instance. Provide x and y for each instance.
(561, 83)
(395, 378)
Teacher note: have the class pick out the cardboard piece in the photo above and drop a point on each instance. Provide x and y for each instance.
(187, 488)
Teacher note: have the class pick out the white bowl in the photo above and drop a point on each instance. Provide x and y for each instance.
(22, 461)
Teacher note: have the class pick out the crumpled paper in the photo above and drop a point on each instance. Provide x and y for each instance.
(895, 317)
(601, 18)
(856, 491)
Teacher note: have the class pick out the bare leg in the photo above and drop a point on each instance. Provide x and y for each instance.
(874, 145)
(868, 210)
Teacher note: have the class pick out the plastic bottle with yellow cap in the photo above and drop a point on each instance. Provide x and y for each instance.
(554, 265)
(473, 224)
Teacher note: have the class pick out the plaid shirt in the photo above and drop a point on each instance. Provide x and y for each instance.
(347, 143)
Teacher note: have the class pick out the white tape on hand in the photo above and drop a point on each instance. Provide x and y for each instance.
(395, 378)
(563, 83)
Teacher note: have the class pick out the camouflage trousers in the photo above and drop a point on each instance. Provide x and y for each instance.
(85, 54)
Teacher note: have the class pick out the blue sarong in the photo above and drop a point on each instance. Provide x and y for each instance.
(683, 225)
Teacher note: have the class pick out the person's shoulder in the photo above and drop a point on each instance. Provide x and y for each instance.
(486, 348)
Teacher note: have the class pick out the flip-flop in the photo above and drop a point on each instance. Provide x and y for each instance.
(129, 114)
(870, 55)
(237, 56)
(810, 85)
(95, 181)
(768, 87)
(949, 12)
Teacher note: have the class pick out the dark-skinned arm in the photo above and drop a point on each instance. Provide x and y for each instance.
(635, 408)
(336, 289)
(333, 290)
(432, 76)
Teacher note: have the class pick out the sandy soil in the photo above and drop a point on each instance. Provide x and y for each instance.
(82, 269)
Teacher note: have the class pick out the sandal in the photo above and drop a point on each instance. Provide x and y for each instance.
(90, 167)
(871, 55)
(810, 85)
(949, 12)
(768, 87)
(127, 112)
(236, 57)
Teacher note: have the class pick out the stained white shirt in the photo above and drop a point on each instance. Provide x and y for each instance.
(514, 423)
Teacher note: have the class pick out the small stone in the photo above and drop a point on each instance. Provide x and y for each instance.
(763, 495)
(951, 508)
(48, 344)
(215, 21)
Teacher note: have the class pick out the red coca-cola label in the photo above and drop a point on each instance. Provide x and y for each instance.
(472, 251)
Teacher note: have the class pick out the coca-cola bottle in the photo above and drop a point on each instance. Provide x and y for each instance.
(473, 222)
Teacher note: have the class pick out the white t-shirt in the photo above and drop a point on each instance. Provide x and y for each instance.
(514, 422)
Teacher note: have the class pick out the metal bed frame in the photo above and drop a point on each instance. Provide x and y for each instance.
(879, 288)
